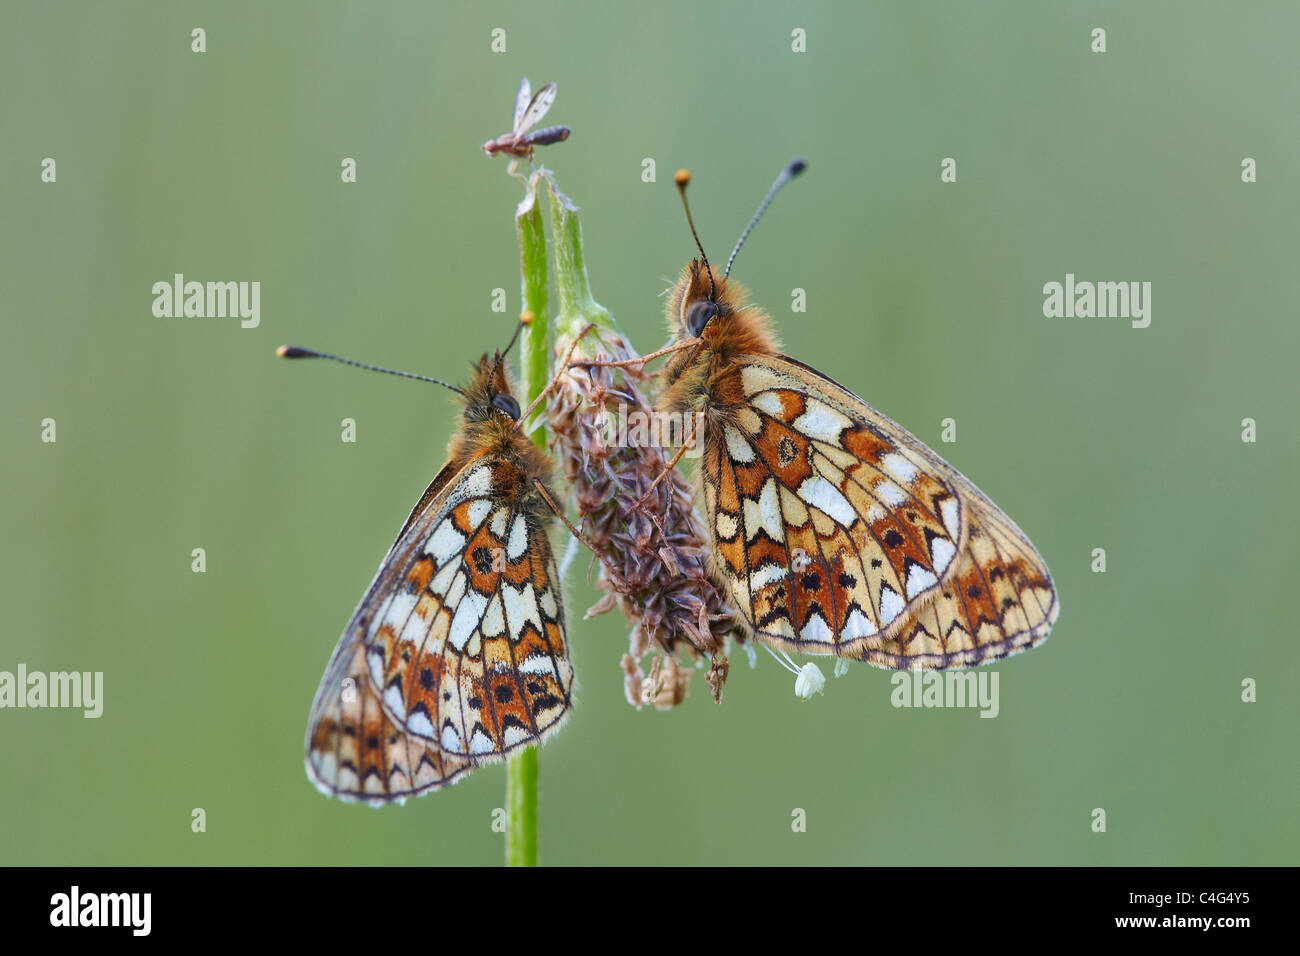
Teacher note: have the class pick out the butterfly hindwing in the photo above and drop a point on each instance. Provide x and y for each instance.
(458, 650)
(838, 532)
(471, 650)
(355, 751)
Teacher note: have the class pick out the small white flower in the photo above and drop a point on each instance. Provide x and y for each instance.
(841, 667)
(808, 681)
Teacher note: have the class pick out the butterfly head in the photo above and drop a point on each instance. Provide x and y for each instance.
(490, 427)
(714, 311)
(488, 397)
(699, 303)
(710, 308)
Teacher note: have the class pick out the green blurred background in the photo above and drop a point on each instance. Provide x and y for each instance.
(924, 297)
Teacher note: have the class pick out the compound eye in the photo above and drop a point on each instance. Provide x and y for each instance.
(697, 317)
(506, 403)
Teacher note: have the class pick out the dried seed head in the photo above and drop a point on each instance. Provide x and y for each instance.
(633, 676)
(603, 436)
(717, 676)
(671, 682)
(636, 512)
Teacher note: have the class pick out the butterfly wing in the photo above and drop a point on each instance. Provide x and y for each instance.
(356, 751)
(457, 654)
(839, 532)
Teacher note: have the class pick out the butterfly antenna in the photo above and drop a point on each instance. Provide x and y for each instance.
(793, 169)
(295, 351)
(525, 318)
(683, 179)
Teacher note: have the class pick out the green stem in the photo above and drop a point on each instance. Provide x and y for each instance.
(521, 808)
(576, 309)
(535, 340)
(572, 287)
(534, 348)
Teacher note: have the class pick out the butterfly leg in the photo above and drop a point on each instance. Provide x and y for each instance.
(668, 469)
(555, 379)
(639, 360)
(559, 512)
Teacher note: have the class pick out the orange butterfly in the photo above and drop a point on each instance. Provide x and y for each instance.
(835, 530)
(458, 654)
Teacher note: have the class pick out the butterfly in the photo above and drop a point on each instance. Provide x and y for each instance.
(457, 654)
(834, 529)
(529, 110)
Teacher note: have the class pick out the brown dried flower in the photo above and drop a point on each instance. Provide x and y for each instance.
(603, 436)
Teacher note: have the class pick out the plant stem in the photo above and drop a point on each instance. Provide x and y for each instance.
(521, 808)
(534, 348)
(577, 307)
(535, 340)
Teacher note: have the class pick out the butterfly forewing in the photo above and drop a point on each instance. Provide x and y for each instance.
(458, 651)
(839, 532)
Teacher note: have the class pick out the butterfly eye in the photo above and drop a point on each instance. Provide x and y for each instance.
(698, 316)
(506, 403)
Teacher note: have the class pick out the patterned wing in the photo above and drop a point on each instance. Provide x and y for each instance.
(355, 751)
(458, 647)
(839, 532)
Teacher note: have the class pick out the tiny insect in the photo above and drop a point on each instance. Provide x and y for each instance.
(835, 530)
(457, 654)
(529, 110)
